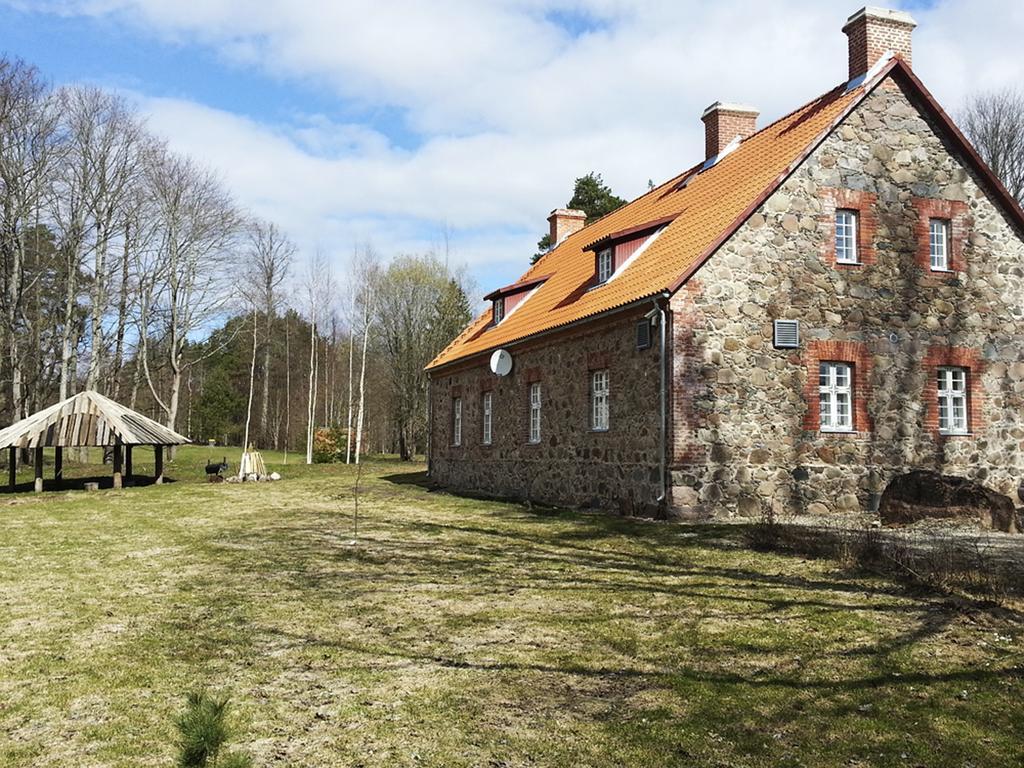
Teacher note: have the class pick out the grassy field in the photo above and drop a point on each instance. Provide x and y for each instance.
(459, 632)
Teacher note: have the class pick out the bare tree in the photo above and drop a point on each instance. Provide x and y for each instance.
(98, 176)
(242, 468)
(197, 227)
(28, 140)
(348, 419)
(367, 275)
(270, 254)
(319, 287)
(994, 123)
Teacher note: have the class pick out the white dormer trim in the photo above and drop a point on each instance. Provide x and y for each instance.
(643, 247)
(512, 311)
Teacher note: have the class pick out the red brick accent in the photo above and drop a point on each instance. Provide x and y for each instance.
(852, 352)
(531, 375)
(867, 224)
(957, 213)
(687, 384)
(456, 390)
(564, 222)
(871, 35)
(486, 384)
(723, 123)
(959, 357)
(597, 361)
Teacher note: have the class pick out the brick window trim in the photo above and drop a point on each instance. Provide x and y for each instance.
(954, 211)
(864, 205)
(953, 357)
(855, 354)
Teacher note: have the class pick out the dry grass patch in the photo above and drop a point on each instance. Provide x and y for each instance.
(461, 632)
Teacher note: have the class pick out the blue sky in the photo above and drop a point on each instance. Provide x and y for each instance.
(391, 123)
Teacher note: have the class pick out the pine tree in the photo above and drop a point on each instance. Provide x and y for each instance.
(590, 195)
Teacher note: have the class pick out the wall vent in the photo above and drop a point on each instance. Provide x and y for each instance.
(643, 334)
(787, 334)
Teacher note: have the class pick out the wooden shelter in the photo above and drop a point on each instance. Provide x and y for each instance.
(88, 419)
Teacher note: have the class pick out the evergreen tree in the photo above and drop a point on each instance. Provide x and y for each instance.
(590, 195)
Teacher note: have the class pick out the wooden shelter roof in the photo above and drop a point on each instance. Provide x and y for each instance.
(87, 419)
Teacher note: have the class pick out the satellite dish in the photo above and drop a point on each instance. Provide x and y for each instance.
(501, 362)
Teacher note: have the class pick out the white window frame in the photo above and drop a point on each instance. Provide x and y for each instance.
(835, 385)
(535, 408)
(938, 244)
(605, 265)
(457, 422)
(847, 222)
(953, 403)
(499, 309)
(487, 408)
(599, 396)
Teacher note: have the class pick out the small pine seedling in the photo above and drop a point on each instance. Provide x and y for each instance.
(202, 733)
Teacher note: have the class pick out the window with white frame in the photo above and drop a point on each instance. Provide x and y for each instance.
(499, 310)
(457, 421)
(535, 412)
(835, 396)
(952, 392)
(846, 237)
(605, 265)
(488, 401)
(938, 244)
(599, 401)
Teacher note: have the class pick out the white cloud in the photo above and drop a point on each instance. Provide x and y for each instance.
(510, 104)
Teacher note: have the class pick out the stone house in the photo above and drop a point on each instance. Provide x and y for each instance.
(817, 307)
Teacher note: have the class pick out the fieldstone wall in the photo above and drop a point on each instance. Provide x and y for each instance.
(745, 434)
(572, 465)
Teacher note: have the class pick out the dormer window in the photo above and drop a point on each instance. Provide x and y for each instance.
(605, 265)
(507, 300)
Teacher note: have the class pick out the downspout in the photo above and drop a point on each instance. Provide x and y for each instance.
(663, 448)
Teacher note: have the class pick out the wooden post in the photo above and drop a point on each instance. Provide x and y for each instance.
(39, 468)
(118, 455)
(128, 465)
(12, 467)
(58, 465)
(158, 463)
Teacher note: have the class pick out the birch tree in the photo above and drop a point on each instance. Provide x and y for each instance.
(269, 255)
(318, 289)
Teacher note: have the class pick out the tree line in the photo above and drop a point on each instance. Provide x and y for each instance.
(129, 269)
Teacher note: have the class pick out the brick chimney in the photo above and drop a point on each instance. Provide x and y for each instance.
(872, 32)
(723, 123)
(565, 222)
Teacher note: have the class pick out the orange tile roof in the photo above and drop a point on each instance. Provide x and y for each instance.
(706, 210)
